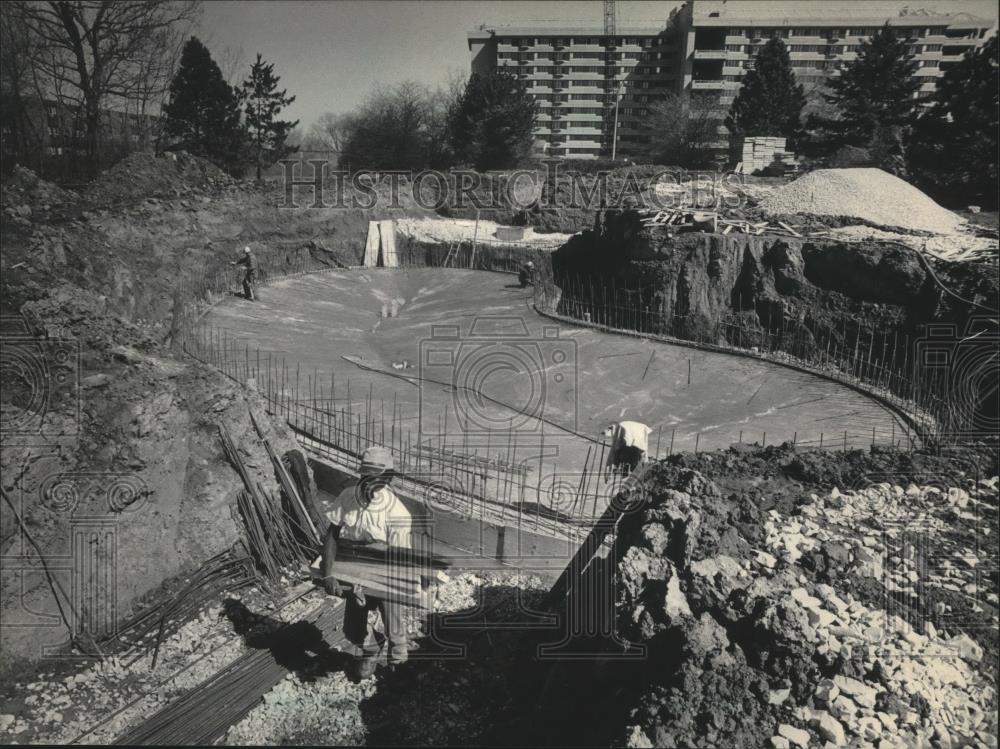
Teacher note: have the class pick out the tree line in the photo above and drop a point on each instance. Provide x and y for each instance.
(83, 83)
(486, 121)
(945, 143)
(234, 127)
(872, 113)
(91, 57)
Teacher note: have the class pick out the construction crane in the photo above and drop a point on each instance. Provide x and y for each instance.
(610, 70)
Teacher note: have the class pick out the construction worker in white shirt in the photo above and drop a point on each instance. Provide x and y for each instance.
(629, 445)
(369, 512)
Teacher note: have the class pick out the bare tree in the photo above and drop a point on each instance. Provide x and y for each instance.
(329, 132)
(684, 130)
(16, 79)
(441, 104)
(153, 76)
(95, 50)
(233, 64)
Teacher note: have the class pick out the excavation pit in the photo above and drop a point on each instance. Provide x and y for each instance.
(466, 367)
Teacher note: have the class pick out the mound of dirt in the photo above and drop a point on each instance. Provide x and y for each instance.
(26, 194)
(145, 175)
(871, 196)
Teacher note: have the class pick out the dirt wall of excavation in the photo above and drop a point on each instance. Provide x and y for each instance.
(99, 411)
(868, 307)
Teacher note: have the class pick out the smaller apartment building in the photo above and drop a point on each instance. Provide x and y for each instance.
(578, 74)
(721, 40)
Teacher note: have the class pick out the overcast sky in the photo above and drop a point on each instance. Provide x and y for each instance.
(330, 54)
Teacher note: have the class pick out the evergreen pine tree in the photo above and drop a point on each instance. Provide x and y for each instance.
(492, 122)
(202, 114)
(875, 93)
(953, 152)
(262, 103)
(770, 101)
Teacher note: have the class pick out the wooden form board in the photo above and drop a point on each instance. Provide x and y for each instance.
(380, 246)
(471, 543)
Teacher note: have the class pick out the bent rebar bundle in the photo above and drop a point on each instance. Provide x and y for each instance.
(280, 535)
(226, 572)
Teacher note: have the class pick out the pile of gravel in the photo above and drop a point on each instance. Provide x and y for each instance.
(871, 196)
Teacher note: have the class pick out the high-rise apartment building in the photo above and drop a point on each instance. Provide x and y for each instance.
(578, 75)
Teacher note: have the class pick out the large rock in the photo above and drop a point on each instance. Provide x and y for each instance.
(797, 736)
(860, 692)
(829, 728)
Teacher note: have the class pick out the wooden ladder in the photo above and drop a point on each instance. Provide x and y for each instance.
(452, 250)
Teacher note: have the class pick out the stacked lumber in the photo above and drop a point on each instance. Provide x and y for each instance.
(761, 152)
(406, 576)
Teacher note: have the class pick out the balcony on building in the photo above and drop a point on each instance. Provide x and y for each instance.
(955, 50)
(707, 70)
(709, 85)
(708, 40)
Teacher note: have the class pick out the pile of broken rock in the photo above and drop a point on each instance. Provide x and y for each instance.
(776, 629)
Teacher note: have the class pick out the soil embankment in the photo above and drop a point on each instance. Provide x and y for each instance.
(103, 422)
(814, 298)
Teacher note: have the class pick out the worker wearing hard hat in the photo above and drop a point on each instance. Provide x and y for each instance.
(369, 512)
(248, 260)
(527, 274)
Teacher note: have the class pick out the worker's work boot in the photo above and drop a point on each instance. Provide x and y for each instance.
(364, 667)
(399, 652)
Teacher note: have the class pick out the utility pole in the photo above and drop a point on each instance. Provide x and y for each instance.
(614, 134)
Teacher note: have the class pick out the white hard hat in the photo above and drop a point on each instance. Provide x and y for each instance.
(531, 264)
(247, 249)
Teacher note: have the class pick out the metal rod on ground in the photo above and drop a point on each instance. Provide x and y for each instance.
(581, 483)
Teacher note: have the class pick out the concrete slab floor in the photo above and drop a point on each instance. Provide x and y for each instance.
(560, 385)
